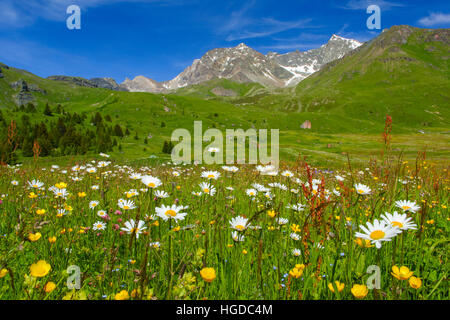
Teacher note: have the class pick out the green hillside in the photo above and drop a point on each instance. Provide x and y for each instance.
(404, 73)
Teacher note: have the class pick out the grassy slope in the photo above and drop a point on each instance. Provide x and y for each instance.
(346, 103)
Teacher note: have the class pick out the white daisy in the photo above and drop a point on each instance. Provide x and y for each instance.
(35, 184)
(93, 204)
(170, 212)
(126, 204)
(407, 205)
(210, 175)
(402, 221)
(207, 188)
(99, 226)
(378, 232)
(134, 227)
(161, 194)
(239, 223)
(237, 237)
(296, 252)
(362, 189)
(151, 182)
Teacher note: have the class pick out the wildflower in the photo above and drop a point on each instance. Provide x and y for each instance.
(35, 184)
(244, 251)
(122, 295)
(239, 223)
(406, 205)
(378, 232)
(297, 271)
(161, 194)
(210, 175)
(402, 273)
(93, 204)
(40, 269)
(362, 189)
(34, 236)
(296, 207)
(3, 272)
(363, 243)
(271, 213)
(151, 182)
(287, 174)
(132, 227)
(339, 286)
(399, 220)
(126, 204)
(296, 252)
(170, 212)
(415, 282)
(40, 211)
(295, 228)
(49, 287)
(52, 239)
(251, 192)
(237, 237)
(81, 194)
(208, 188)
(359, 291)
(208, 274)
(99, 226)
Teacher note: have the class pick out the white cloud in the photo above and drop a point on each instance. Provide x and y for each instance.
(435, 19)
(267, 26)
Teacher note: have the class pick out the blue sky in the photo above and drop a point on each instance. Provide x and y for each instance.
(159, 38)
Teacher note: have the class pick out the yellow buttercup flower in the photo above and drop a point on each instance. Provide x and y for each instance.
(34, 236)
(339, 286)
(359, 291)
(415, 282)
(3, 272)
(40, 269)
(61, 185)
(208, 274)
(122, 295)
(297, 271)
(40, 211)
(49, 287)
(52, 239)
(363, 243)
(271, 213)
(32, 195)
(81, 194)
(244, 251)
(402, 273)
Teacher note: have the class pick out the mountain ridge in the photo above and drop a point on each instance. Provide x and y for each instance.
(243, 64)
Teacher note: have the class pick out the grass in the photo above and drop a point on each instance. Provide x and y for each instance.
(116, 264)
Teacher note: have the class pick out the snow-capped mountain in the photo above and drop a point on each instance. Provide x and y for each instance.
(303, 64)
(243, 64)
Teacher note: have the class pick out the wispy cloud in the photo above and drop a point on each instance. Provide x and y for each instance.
(241, 25)
(23, 13)
(363, 4)
(267, 26)
(435, 19)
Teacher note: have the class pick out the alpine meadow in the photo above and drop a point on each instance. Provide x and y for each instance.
(93, 205)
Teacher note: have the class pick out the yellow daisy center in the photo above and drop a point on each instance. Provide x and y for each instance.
(240, 227)
(397, 224)
(126, 207)
(151, 185)
(377, 234)
(360, 191)
(206, 190)
(170, 213)
(406, 207)
(210, 176)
